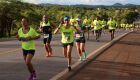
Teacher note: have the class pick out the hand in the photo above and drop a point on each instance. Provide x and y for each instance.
(29, 38)
(22, 39)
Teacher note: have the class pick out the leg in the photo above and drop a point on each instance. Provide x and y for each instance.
(46, 47)
(93, 32)
(65, 51)
(97, 36)
(49, 49)
(69, 56)
(29, 65)
(69, 49)
(78, 49)
(83, 49)
(88, 35)
(113, 34)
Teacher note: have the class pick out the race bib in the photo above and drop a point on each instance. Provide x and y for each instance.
(46, 35)
(79, 35)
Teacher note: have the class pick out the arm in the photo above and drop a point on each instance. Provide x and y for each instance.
(57, 29)
(17, 36)
(53, 25)
(40, 28)
(76, 29)
(32, 38)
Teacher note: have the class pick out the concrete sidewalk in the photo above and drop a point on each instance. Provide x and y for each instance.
(121, 61)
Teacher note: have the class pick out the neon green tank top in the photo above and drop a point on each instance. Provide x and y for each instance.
(67, 34)
(112, 24)
(28, 45)
(45, 24)
(97, 25)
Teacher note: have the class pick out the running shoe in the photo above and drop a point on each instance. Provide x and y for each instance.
(80, 59)
(85, 55)
(69, 68)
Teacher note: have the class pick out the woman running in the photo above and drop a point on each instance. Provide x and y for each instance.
(67, 32)
(27, 35)
(80, 39)
(46, 27)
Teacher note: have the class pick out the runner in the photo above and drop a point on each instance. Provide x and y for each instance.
(72, 20)
(67, 32)
(80, 39)
(104, 23)
(46, 27)
(27, 35)
(111, 26)
(97, 25)
(86, 23)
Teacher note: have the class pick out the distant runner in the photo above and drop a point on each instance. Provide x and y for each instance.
(111, 26)
(97, 25)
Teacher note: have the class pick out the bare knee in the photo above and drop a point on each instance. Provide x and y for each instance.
(27, 62)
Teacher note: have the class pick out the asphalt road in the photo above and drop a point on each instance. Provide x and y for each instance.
(12, 65)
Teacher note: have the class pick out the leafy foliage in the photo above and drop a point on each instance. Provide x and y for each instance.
(11, 12)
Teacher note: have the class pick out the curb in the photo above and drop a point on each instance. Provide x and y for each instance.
(90, 57)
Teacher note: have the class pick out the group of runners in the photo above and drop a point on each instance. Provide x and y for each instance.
(72, 30)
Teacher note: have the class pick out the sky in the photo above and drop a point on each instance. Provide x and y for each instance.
(87, 2)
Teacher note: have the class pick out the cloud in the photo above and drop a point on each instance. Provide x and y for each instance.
(34, 1)
(88, 2)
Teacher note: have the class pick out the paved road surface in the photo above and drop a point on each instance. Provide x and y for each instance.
(119, 62)
(12, 65)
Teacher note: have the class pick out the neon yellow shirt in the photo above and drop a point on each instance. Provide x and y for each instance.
(112, 24)
(72, 21)
(103, 24)
(67, 34)
(45, 24)
(97, 24)
(86, 21)
(28, 45)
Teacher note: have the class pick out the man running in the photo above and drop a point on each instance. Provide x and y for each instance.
(46, 27)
